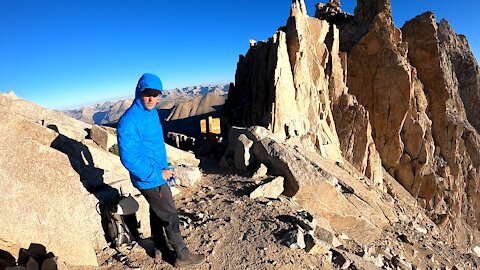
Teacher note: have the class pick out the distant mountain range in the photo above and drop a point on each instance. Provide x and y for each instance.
(174, 104)
(195, 91)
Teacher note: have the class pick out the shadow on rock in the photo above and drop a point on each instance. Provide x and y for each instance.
(91, 177)
(6, 259)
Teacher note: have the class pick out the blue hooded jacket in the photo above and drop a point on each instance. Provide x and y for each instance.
(140, 139)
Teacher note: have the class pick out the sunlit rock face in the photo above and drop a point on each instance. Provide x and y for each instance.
(283, 84)
(404, 100)
(419, 86)
(451, 194)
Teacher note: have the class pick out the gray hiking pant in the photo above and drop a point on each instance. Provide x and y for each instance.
(163, 211)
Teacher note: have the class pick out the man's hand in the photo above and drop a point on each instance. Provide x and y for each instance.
(167, 174)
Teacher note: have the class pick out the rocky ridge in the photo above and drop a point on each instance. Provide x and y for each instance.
(389, 100)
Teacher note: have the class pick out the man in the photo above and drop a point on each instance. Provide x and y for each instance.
(143, 153)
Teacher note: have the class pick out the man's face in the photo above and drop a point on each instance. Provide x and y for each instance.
(150, 99)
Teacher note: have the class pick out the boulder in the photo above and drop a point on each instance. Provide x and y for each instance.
(104, 137)
(188, 176)
(253, 134)
(261, 172)
(347, 204)
(180, 157)
(47, 199)
(315, 246)
(294, 238)
(271, 189)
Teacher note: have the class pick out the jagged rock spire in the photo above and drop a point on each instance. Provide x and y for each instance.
(335, 3)
(297, 8)
(366, 10)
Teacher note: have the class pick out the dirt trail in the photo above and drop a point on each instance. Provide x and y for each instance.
(219, 219)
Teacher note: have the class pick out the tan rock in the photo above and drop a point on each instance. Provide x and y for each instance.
(437, 57)
(315, 246)
(253, 134)
(466, 69)
(103, 137)
(285, 82)
(68, 126)
(188, 176)
(45, 219)
(476, 249)
(366, 10)
(271, 189)
(242, 156)
(314, 183)
(261, 172)
(355, 136)
(370, 83)
(180, 157)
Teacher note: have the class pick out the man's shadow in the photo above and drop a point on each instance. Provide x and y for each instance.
(91, 177)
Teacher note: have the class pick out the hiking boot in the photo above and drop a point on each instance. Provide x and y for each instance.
(190, 260)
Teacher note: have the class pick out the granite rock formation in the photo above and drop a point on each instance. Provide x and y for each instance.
(42, 198)
(451, 194)
(408, 82)
(391, 100)
(282, 84)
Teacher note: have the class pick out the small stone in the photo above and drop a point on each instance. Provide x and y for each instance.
(294, 239)
(315, 246)
(175, 191)
(403, 238)
(261, 172)
(378, 261)
(421, 229)
(306, 220)
(401, 263)
(336, 242)
(477, 250)
(32, 264)
(272, 189)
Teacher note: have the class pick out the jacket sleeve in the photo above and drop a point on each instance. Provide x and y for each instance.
(132, 154)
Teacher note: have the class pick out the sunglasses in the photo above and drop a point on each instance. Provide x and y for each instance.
(150, 93)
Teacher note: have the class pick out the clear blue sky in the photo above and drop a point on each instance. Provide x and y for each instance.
(69, 52)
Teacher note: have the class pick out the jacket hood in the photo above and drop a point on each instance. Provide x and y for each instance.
(148, 81)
